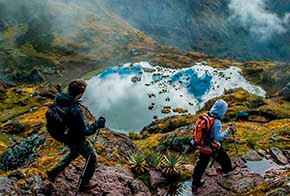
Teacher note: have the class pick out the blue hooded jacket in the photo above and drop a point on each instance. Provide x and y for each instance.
(218, 110)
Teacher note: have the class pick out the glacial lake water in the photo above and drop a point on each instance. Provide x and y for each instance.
(122, 94)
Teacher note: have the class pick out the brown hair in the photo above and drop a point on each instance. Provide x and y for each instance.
(76, 87)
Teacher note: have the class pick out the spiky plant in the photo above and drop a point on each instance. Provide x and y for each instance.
(171, 162)
(137, 163)
(154, 159)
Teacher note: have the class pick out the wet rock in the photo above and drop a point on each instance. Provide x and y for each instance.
(135, 79)
(155, 117)
(252, 156)
(180, 110)
(167, 99)
(166, 109)
(278, 155)
(151, 95)
(19, 154)
(156, 178)
(8, 187)
(149, 70)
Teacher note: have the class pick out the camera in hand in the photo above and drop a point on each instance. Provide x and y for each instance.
(101, 122)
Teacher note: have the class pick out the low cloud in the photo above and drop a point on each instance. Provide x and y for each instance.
(262, 22)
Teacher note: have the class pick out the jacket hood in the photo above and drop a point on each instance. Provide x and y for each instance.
(64, 100)
(219, 108)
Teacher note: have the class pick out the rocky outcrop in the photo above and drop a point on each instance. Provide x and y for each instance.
(278, 155)
(252, 156)
(8, 187)
(111, 180)
(47, 92)
(17, 155)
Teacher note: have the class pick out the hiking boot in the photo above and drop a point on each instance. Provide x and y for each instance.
(51, 175)
(195, 186)
(87, 187)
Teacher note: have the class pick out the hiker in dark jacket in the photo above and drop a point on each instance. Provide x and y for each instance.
(76, 136)
(218, 111)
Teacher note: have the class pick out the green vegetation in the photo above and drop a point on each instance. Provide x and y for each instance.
(137, 162)
(171, 162)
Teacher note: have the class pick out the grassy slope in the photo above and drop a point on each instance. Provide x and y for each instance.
(81, 39)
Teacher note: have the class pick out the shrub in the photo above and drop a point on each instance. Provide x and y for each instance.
(154, 159)
(137, 163)
(171, 162)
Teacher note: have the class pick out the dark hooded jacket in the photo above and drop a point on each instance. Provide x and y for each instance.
(75, 120)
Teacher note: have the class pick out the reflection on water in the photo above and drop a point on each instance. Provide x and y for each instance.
(123, 94)
(260, 167)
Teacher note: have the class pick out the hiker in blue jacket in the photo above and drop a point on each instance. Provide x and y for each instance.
(217, 111)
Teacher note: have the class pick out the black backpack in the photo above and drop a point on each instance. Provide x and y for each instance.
(56, 122)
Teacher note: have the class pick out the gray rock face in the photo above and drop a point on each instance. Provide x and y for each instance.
(278, 155)
(8, 187)
(252, 156)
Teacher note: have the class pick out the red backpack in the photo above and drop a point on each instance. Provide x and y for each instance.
(202, 131)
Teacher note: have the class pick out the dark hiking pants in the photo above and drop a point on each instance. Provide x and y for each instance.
(85, 149)
(221, 157)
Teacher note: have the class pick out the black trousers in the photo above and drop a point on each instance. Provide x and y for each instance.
(220, 156)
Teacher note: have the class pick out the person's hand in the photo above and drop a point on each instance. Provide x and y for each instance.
(232, 128)
(101, 122)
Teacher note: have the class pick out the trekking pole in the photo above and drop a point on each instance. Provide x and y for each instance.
(235, 141)
(82, 175)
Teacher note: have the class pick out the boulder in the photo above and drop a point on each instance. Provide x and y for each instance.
(252, 156)
(47, 92)
(8, 186)
(278, 155)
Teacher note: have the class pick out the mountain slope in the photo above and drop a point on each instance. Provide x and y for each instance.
(64, 39)
(237, 29)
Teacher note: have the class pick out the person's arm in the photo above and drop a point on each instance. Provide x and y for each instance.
(217, 133)
(80, 123)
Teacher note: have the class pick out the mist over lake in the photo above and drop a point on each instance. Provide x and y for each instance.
(130, 95)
